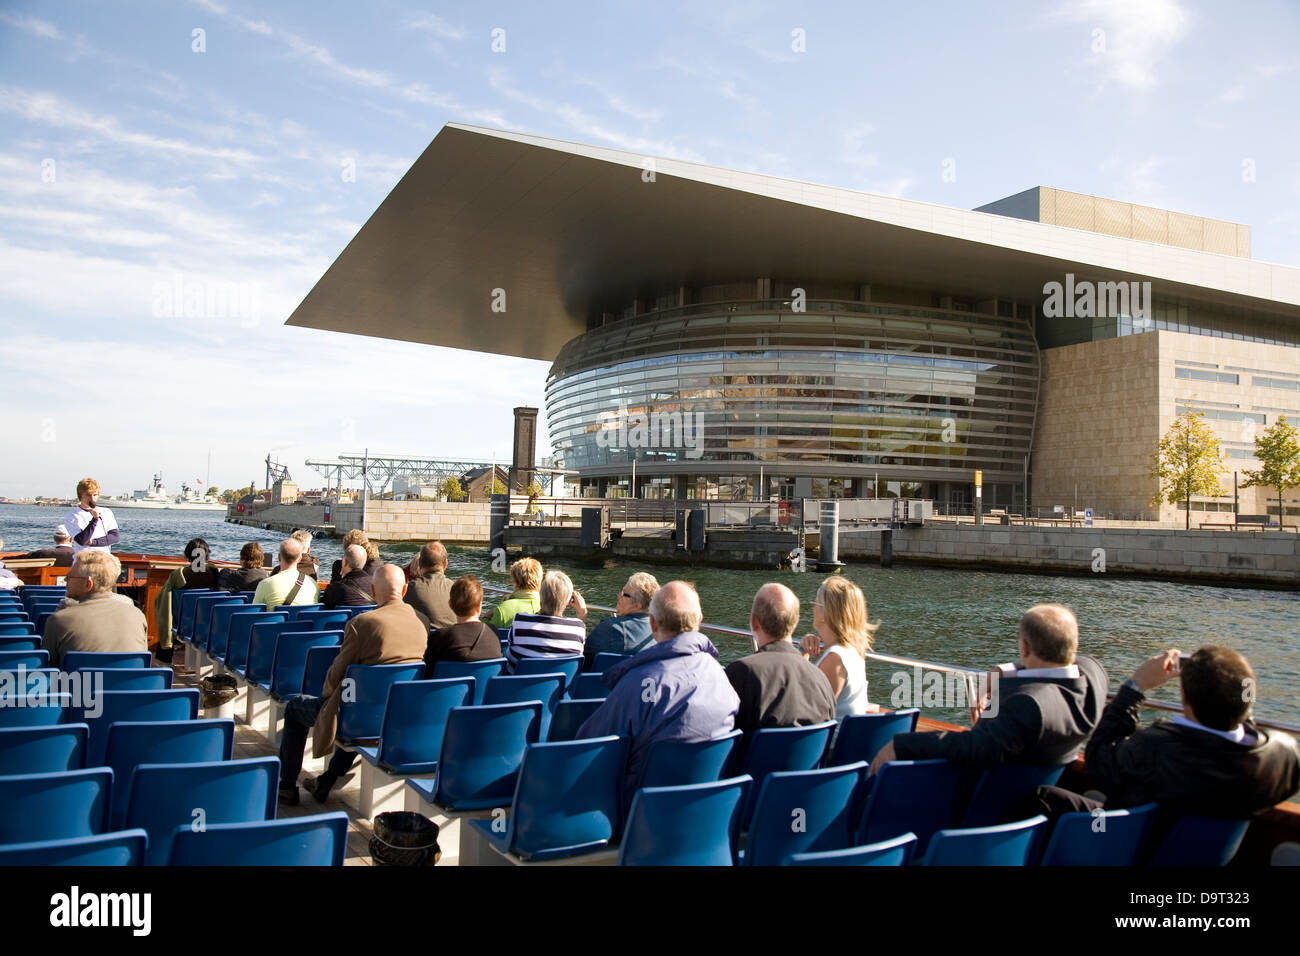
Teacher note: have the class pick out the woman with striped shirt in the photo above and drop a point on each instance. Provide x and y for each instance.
(549, 633)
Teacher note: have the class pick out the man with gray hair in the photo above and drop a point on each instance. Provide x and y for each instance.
(430, 591)
(289, 586)
(99, 619)
(675, 690)
(548, 633)
(776, 686)
(62, 552)
(353, 588)
(307, 564)
(1044, 706)
(629, 630)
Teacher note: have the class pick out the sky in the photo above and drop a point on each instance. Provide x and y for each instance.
(149, 148)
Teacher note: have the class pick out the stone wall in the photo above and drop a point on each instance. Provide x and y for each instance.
(460, 522)
(1223, 557)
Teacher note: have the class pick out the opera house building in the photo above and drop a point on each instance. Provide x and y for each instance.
(729, 334)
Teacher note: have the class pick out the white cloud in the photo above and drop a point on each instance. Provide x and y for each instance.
(1135, 35)
(32, 25)
(436, 25)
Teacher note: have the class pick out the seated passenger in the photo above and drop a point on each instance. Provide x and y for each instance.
(842, 636)
(100, 619)
(390, 634)
(628, 631)
(469, 639)
(1047, 704)
(197, 574)
(777, 686)
(353, 589)
(61, 552)
(675, 690)
(8, 580)
(526, 573)
(355, 536)
(549, 633)
(429, 587)
(307, 564)
(288, 586)
(250, 572)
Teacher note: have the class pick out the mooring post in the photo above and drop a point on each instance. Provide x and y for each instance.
(829, 526)
(887, 548)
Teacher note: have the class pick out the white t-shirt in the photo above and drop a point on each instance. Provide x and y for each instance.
(102, 538)
(853, 695)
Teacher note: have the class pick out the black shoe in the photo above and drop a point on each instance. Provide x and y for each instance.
(288, 796)
(164, 654)
(318, 787)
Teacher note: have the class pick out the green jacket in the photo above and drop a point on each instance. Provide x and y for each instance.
(521, 602)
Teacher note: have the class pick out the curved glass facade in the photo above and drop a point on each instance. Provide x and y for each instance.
(843, 389)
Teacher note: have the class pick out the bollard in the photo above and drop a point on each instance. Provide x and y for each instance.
(887, 549)
(696, 519)
(829, 526)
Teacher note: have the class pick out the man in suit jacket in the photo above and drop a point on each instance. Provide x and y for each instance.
(1048, 702)
(353, 588)
(390, 634)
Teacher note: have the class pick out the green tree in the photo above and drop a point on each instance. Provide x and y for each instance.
(1188, 463)
(498, 486)
(451, 490)
(1278, 451)
(211, 491)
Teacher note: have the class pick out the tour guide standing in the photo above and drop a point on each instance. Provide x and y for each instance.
(89, 525)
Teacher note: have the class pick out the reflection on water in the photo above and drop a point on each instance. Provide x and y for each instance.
(957, 617)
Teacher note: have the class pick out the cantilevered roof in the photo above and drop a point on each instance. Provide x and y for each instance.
(567, 229)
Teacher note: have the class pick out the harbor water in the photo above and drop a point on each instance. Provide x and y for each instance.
(965, 618)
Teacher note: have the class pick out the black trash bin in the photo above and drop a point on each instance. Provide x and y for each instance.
(403, 838)
(217, 694)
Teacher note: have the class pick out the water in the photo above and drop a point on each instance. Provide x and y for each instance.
(967, 618)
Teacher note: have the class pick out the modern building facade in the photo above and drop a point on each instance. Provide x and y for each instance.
(716, 333)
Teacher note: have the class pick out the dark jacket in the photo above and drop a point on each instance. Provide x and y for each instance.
(352, 590)
(241, 579)
(62, 556)
(470, 641)
(778, 688)
(336, 569)
(619, 635)
(430, 595)
(1185, 769)
(1038, 721)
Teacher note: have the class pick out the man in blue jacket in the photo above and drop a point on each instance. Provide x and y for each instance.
(672, 690)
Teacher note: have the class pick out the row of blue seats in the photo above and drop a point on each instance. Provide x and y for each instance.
(27, 611)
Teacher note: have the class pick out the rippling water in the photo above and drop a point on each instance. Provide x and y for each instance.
(966, 618)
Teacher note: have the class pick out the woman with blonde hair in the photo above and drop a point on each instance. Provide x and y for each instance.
(842, 636)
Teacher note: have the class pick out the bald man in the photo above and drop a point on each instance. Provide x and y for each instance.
(776, 685)
(673, 690)
(1046, 704)
(390, 634)
(352, 589)
(290, 585)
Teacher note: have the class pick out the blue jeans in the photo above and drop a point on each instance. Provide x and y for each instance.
(300, 714)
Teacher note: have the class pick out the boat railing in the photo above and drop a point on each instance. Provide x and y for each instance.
(971, 677)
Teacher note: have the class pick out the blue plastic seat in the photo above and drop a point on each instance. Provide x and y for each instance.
(45, 680)
(356, 609)
(481, 671)
(482, 750)
(290, 664)
(1100, 838)
(362, 717)
(802, 812)
(102, 660)
(203, 614)
(318, 840)
(125, 848)
(675, 763)
(24, 641)
(512, 689)
(43, 749)
(179, 703)
(42, 618)
(135, 678)
(219, 626)
(604, 660)
(13, 617)
(133, 743)
(909, 796)
(27, 660)
(566, 801)
(415, 719)
(55, 806)
(693, 825)
(261, 649)
(166, 797)
(1001, 789)
(569, 717)
(588, 687)
(33, 710)
(1008, 844)
(183, 614)
(320, 619)
(503, 635)
(241, 632)
(782, 749)
(566, 664)
(895, 852)
(319, 661)
(861, 736)
(1200, 841)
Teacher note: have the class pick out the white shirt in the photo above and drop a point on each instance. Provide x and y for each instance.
(1237, 735)
(79, 519)
(1068, 672)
